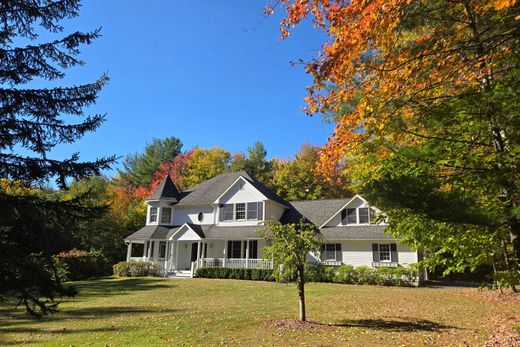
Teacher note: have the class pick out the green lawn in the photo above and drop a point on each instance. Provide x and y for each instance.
(150, 311)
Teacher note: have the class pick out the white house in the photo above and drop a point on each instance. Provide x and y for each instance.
(216, 223)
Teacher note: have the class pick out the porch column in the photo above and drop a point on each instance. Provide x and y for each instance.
(144, 249)
(177, 255)
(198, 249)
(225, 253)
(129, 251)
(247, 254)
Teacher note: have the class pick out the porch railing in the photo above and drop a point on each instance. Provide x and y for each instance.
(231, 263)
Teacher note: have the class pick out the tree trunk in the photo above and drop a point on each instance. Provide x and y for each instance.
(301, 292)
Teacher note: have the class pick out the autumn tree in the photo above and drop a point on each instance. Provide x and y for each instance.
(289, 246)
(205, 164)
(297, 179)
(140, 168)
(423, 92)
(34, 223)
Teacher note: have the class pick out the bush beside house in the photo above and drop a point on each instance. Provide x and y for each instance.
(76, 265)
(347, 274)
(136, 269)
(237, 274)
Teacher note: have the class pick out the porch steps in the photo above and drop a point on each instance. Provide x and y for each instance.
(179, 274)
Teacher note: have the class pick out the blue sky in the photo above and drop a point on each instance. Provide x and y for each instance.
(209, 72)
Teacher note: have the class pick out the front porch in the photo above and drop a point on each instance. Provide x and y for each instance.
(181, 256)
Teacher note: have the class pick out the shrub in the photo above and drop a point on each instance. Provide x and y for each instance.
(75, 265)
(237, 274)
(136, 269)
(348, 274)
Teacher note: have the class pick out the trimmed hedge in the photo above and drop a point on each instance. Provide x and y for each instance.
(348, 274)
(76, 265)
(237, 274)
(136, 269)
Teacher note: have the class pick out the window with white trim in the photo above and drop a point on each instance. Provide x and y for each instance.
(153, 214)
(351, 216)
(252, 210)
(166, 215)
(330, 251)
(359, 215)
(240, 211)
(363, 215)
(384, 252)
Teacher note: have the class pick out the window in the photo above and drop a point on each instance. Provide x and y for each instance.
(252, 210)
(331, 252)
(253, 249)
(384, 252)
(153, 214)
(351, 216)
(162, 249)
(234, 249)
(228, 212)
(200, 217)
(240, 211)
(363, 215)
(166, 215)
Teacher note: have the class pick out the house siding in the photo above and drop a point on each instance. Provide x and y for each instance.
(190, 214)
(359, 253)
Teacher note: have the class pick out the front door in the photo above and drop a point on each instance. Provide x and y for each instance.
(194, 248)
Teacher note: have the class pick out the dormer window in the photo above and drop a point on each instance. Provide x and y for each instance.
(153, 214)
(363, 215)
(166, 215)
(360, 215)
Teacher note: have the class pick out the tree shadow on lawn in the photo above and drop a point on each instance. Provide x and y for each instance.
(395, 324)
(105, 286)
(41, 332)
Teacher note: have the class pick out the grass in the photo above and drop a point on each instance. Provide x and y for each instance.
(158, 312)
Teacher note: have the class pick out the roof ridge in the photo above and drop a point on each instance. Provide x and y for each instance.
(311, 200)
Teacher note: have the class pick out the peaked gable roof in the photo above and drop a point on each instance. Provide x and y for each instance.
(315, 211)
(209, 191)
(165, 190)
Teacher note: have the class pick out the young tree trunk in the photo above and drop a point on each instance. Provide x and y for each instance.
(301, 292)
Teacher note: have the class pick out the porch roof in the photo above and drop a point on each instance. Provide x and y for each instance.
(229, 233)
(356, 232)
(149, 232)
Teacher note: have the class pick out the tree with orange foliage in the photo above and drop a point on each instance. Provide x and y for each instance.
(425, 93)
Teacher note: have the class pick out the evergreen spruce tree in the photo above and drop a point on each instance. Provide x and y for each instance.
(34, 223)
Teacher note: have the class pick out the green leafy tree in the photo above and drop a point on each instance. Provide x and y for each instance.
(204, 164)
(34, 224)
(289, 247)
(140, 168)
(257, 165)
(298, 179)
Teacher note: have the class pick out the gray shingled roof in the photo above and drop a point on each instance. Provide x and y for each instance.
(165, 190)
(207, 192)
(241, 232)
(152, 232)
(315, 211)
(356, 232)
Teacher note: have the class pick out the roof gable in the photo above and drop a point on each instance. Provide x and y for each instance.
(209, 191)
(318, 212)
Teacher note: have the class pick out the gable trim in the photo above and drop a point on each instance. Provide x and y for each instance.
(217, 201)
(182, 228)
(341, 209)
